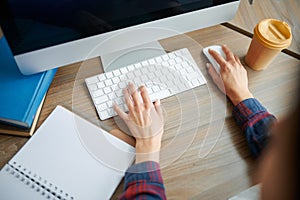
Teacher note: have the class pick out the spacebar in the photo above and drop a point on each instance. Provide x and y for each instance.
(160, 95)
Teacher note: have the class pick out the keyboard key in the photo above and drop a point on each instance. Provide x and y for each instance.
(164, 64)
(190, 69)
(151, 76)
(145, 63)
(122, 85)
(138, 65)
(137, 72)
(158, 59)
(119, 93)
(109, 104)
(150, 91)
(124, 70)
(92, 80)
(101, 77)
(108, 82)
(152, 61)
(107, 90)
(144, 70)
(101, 99)
(160, 95)
(130, 76)
(104, 114)
(172, 55)
(158, 73)
(195, 82)
(102, 106)
(183, 72)
(119, 101)
(115, 80)
(137, 81)
(163, 79)
(155, 88)
(169, 83)
(165, 57)
(109, 75)
(101, 85)
(193, 75)
(184, 64)
(111, 95)
(93, 87)
(116, 72)
(178, 66)
(172, 62)
(130, 67)
(98, 93)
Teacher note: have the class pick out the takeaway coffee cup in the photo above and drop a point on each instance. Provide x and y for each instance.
(269, 38)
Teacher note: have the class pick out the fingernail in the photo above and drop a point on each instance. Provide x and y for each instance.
(158, 101)
(207, 65)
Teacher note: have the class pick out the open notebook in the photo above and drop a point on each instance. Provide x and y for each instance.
(67, 158)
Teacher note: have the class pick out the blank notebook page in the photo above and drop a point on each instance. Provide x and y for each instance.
(71, 154)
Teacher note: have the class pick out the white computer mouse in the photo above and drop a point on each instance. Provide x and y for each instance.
(218, 49)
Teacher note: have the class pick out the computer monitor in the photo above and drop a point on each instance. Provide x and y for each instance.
(49, 34)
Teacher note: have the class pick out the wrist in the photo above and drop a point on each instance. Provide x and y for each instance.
(147, 150)
(144, 157)
(147, 145)
(236, 99)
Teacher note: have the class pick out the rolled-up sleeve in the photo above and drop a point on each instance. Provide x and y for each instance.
(255, 121)
(143, 181)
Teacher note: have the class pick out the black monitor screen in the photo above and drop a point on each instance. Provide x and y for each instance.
(34, 24)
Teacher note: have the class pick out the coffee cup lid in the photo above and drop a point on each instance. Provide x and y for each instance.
(274, 33)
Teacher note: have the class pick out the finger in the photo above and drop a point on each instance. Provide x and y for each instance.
(145, 96)
(229, 55)
(212, 71)
(158, 108)
(128, 100)
(120, 112)
(237, 60)
(135, 95)
(219, 59)
(215, 77)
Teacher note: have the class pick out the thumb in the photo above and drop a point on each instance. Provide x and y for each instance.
(212, 72)
(215, 77)
(158, 108)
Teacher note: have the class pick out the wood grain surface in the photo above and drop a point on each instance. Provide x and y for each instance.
(286, 10)
(204, 154)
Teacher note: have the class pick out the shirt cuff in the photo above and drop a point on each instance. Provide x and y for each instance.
(149, 171)
(249, 111)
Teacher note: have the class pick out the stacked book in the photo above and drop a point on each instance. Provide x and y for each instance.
(21, 97)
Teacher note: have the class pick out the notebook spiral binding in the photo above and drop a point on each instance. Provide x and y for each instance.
(37, 183)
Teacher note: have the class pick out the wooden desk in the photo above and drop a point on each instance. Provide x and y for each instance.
(196, 120)
(288, 10)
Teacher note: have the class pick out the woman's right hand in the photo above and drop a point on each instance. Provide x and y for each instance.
(232, 80)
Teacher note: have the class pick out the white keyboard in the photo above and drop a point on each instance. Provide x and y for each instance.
(163, 76)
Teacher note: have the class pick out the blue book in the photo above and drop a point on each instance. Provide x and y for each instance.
(20, 95)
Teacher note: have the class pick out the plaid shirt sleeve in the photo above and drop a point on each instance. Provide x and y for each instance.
(255, 122)
(143, 181)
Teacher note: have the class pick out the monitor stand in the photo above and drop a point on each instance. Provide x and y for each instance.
(131, 55)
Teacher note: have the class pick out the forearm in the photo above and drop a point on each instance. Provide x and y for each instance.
(255, 122)
(144, 181)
